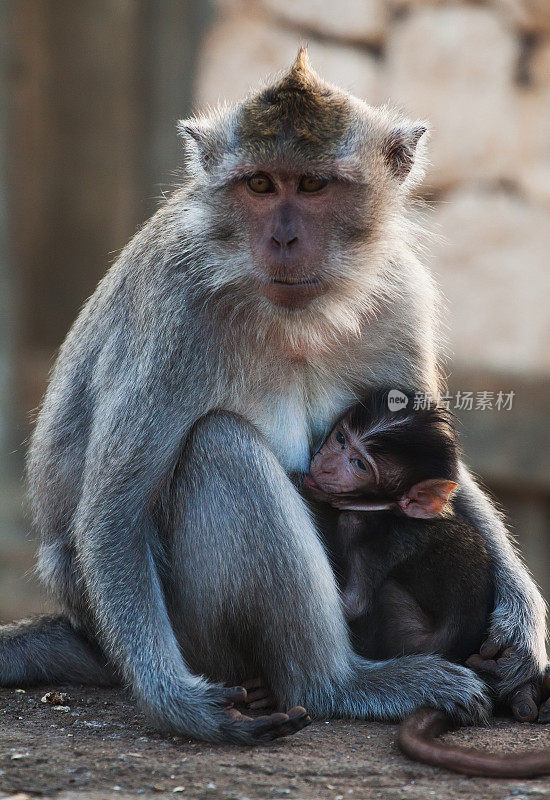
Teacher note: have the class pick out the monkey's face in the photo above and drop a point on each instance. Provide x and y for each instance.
(298, 226)
(296, 198)
(343, 466)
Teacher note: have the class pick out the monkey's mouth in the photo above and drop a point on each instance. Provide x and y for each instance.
(310, 482)
(314, 490)
(290, 282)
(294, 293)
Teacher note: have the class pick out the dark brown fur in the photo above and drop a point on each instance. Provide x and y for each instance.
(300, 113)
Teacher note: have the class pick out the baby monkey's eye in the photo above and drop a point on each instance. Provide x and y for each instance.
(340, 438)
(260, 184)
(360, 465)
(310, 183)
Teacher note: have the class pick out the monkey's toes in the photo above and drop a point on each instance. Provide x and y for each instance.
(265, 728)
(257, 703)
(260, 698)
(235, 694)
(274, 726)
(524, 702)
(258, 695)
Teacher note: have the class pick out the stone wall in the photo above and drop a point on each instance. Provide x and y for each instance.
(480, 73)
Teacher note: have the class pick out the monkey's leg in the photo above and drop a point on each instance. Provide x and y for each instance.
(49, 649)
(254, 593)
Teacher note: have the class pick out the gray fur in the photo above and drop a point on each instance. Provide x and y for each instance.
(150, 538)
(49, 649)
(266, 602)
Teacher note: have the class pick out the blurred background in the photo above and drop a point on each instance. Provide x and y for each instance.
(90, 96)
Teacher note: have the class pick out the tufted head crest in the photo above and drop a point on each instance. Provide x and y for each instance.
(299, 111)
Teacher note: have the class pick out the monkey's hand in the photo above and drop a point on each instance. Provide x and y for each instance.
(530, 701)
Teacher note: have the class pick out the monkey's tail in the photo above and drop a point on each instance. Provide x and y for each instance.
(416, 738)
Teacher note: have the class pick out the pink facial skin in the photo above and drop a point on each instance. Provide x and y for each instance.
(343, 471)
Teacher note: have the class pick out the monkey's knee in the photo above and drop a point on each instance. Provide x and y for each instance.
(220, 429)
(223, 435)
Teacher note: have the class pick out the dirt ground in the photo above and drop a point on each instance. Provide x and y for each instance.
(97, 747)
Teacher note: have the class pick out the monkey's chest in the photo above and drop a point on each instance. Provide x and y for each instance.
(296, 421)
(284, 421)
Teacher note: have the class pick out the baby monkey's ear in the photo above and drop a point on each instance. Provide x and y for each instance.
(427, 499)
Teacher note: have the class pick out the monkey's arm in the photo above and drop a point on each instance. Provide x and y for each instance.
(518, 620)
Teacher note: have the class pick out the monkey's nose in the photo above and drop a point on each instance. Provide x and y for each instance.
(283, 241)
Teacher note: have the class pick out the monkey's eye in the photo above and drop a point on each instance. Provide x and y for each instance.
(310, 183)
(360, 465)
(340, 438)
(260, 184)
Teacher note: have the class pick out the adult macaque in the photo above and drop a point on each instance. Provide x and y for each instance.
(275, 286)
(417, 577)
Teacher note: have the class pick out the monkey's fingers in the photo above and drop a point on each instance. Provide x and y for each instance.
(258, 694)
(491, 669)
(269, 727)
(525, 702)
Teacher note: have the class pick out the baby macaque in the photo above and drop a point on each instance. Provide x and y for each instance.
(417, 576)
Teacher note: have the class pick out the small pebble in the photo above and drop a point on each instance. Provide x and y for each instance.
(54, 698)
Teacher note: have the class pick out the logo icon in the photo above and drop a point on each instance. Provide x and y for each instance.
(397, 400)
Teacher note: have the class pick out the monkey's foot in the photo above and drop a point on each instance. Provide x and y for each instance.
(258, 694)
(265, 728)
(529, 702)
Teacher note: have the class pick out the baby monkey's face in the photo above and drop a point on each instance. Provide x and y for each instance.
(345, 474)
(343, 466)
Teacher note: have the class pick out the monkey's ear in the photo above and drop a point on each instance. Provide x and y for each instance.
(198, 140)
(400, 148)
(427, 499)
